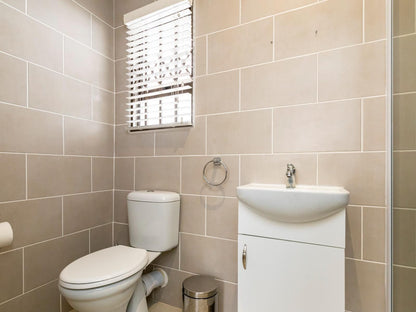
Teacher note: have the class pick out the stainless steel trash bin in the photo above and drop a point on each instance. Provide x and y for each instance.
(200, 294)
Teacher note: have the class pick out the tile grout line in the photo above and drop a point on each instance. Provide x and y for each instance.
(23, 270)
(362, 124)
(27, 84)
(26, 184)
(362, 232)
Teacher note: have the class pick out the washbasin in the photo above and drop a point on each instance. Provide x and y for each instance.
(305, 203)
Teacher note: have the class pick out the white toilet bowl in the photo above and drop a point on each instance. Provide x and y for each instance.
(110, 280)
(103, 281)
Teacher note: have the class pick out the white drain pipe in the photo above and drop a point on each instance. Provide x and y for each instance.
(146, 284)
(154, 279)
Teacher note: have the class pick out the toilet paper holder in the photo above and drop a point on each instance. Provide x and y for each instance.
(6, 234)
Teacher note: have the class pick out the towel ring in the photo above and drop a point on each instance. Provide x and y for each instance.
(217, 162)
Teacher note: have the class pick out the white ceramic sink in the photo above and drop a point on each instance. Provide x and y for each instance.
(304, 203)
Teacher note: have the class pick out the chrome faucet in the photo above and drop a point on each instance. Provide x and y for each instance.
(290, 174)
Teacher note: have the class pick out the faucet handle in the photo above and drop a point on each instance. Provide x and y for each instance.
(291, 168)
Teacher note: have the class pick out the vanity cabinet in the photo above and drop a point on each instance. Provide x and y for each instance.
(290, 267)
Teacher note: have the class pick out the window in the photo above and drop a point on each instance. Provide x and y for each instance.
(160, 65)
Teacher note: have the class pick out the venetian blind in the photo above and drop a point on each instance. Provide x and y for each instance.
(159, 65)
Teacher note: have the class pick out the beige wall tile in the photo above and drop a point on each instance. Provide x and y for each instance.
(44, 262)
(87, 210)
(193, 183)
(102, 37)
(222, 217)
(133, 144)
(200, 56)
(325, 127)
(18, 4)
(101, 237)
(169, 259)
(124, 173)
(327, 25)
(30, 131)
(362, 174)
(374, 220)
(404, 283)
(375, 20)
(57, 175)
(120, 75)
(11, 275)
(352, 72)
(217, 93)
(353, 233)
(279, 84)
(23, 36)
(102, 8)
(204, 255)
(33, 220)
(404, 17)
(64, 15)
(192, 214)
(404, 172)
(89, 66)
(404, 237)
(120, 45)
(82, 137)
(245, 132)
(102, 174)
(374, 124)
(65, 307)
(172, 293)
(404, 64)
(44, 298)
(242, 46)
(103, 106)
(182, 141)
(120, 109)
(404, 127)
(228, 301)
(121, 234)
(250, 9)
(215, 15)
(122, 7)
(12, 80)
(12, 177)
(57, 93)
(364, 286)
(272, 168)
(120, 206)
(161, 173)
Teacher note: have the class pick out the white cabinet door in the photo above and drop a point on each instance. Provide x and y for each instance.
(285, 276)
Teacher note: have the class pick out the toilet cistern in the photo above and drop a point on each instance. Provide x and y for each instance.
(290, 174)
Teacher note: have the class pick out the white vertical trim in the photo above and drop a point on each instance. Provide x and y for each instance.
(389, 175)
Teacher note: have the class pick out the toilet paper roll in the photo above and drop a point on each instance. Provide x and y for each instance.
(6, 234)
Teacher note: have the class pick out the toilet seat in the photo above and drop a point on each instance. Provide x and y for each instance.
(103, 267)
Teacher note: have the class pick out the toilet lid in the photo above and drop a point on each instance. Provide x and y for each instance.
(103, 267)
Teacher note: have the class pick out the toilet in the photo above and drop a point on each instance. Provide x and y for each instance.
(111, 280)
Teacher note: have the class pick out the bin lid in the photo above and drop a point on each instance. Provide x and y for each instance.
(200, 286)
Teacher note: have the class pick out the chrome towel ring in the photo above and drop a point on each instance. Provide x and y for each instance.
(217, 162)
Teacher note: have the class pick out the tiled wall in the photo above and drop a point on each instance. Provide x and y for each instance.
(276, 82)
(285, 81)
(56, 143)
(404, 156)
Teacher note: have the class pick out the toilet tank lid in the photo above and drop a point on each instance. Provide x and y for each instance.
(153, 196)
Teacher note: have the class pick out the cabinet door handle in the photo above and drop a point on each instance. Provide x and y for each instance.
(244, 257)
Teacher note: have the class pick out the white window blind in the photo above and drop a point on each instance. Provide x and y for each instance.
(160, 66)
